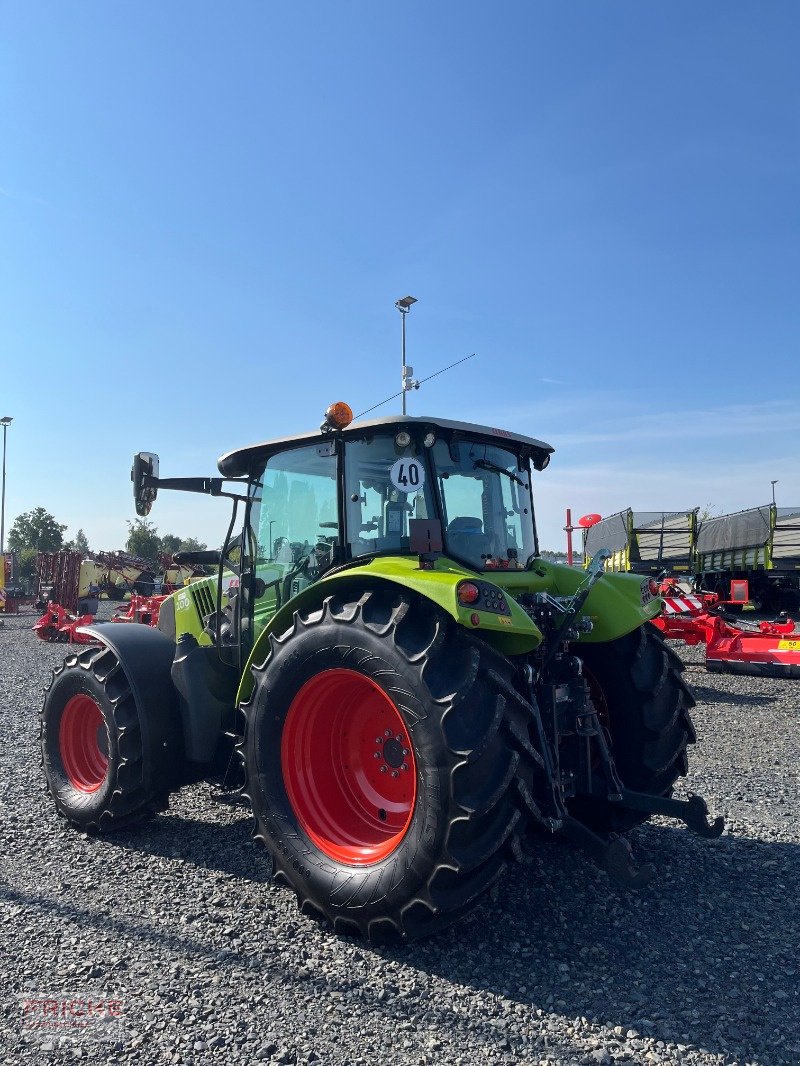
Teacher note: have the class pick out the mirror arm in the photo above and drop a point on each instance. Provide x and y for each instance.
(209, 486)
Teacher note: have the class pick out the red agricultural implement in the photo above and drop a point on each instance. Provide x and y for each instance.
(762, 649)
(141, 609)
(58, 625)
(58, 578)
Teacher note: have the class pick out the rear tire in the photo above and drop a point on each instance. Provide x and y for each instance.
(644, 703)
(386, 852)
(107, 761)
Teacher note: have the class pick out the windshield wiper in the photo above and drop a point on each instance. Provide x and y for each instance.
(487, 464)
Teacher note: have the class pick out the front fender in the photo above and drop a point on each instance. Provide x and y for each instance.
(618, 603)
(145, 656)
(512, 634)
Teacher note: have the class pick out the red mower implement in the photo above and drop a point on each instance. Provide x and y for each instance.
(760, 649)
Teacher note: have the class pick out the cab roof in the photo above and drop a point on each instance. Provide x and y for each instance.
(240, 462)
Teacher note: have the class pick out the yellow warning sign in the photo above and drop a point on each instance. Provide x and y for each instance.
(789, 645)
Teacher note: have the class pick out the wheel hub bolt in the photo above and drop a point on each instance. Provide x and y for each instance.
(377, 755)
(395, 773)
(404, 767)
(384, 768)
(379, 740)
(388, 733)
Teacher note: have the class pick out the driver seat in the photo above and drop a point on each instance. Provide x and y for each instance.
(466, 537)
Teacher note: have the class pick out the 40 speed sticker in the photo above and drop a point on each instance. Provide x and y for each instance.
(407, 475)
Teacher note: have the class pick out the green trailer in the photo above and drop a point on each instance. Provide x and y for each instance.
(760, 545)
(644, 542)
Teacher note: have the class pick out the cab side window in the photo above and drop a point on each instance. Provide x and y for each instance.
(294, 525)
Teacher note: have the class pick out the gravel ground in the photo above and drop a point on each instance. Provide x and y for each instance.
(211, 962)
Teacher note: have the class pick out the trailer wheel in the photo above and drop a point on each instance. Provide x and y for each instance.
(643, 701)
(388, 764)
(108, 762)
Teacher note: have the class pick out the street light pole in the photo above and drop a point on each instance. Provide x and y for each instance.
(773, 483)
(5, 422)
(403, 306)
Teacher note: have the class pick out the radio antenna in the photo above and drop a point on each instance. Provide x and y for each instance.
(414, 385)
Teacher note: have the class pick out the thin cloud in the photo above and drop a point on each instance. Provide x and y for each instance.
(24, 197)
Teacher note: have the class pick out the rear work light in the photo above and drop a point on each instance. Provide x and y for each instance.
(468, 593)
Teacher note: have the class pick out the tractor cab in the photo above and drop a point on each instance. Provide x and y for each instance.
(387, 487)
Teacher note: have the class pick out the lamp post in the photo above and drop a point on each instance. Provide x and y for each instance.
(5, 422)
(773, 483)
(403, 305)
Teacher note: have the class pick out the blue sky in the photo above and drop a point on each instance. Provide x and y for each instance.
(207, 213)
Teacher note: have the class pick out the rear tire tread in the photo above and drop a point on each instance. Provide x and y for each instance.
(487, 810)
(129, 801)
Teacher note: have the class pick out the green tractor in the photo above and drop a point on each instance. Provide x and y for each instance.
(390, 676)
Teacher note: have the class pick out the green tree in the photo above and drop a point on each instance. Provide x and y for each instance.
(143, 540)
(191, 544)
(36, 529)
(27, 568)
(79, 543)
(709, 511)
(170, 544)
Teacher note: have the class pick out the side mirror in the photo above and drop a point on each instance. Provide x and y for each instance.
(145, 466)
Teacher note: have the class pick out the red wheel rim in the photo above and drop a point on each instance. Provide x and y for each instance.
(83, 743)
(348, 766)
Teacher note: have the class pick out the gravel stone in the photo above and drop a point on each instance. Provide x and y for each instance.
(179, 920)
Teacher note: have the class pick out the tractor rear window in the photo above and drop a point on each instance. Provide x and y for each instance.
(488, 515)
(385, 485)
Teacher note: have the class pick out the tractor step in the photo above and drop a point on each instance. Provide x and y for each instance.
(693, 811)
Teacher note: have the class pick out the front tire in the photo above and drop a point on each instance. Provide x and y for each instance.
(107, 761)
(388, 764)
(644, 703)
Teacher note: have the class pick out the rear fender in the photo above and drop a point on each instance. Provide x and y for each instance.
(617, 604)
(512, 634)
